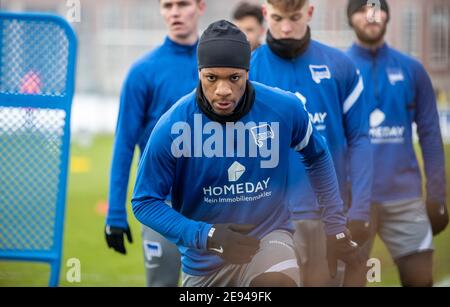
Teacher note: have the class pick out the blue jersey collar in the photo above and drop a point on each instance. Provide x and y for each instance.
(180, 48)
(367, 53)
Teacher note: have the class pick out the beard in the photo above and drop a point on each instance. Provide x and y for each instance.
(371, 39)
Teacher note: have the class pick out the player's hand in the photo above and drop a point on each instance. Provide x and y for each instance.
(341, 246)
(230, 242)
(360, 231)
(114, 238)
(438, 215)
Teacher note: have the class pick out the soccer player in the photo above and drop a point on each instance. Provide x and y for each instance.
(153, 85)
(399, 92)
(249, 18)
(222, 152)
(328, 84)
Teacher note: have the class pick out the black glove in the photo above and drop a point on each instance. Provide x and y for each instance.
(342, 247)
(230, 243)
(438, 215)
(360, 231)
(114, 238)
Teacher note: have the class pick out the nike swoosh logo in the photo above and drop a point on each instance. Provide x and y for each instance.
(218, 250)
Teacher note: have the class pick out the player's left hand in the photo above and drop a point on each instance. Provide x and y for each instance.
(114, 238)
(360, 231)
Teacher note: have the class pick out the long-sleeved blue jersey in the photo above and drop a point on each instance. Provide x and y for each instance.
(399, 93)
(153, 85)
(232, 173)
(328, 83)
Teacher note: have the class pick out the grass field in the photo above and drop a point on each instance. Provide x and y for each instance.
(84, 238)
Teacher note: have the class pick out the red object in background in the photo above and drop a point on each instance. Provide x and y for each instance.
(30, 83)
(102, 208)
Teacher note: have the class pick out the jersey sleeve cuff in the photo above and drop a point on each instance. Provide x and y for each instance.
(332, 230)
(358, 216)
(203, 239)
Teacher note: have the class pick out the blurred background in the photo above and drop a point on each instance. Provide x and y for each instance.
(112, 34)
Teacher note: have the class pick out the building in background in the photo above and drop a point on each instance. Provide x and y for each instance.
(420, 28)
(112, 34)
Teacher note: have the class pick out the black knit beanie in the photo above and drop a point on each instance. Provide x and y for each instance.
(223, 45)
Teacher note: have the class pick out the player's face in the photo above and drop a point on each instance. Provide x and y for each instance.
(223, 88)
(368, 29)
(181, 16)
(252, 28)
(288, 25)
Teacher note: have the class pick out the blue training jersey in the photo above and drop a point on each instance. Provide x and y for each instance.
(327, 82)
(152, 86)
(218, 174)
(399, 93)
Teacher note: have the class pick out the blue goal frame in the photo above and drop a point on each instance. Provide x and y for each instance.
(37, 83)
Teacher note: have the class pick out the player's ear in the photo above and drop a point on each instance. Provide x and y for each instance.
(264, 10)
(310, 12)
(201, 6)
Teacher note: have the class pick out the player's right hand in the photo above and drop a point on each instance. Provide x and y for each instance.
(114, 238)
(341, 246)
(438, 215)
(230, 242)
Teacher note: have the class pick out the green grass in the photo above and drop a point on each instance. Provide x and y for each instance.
(83, 233)
(100, 266)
